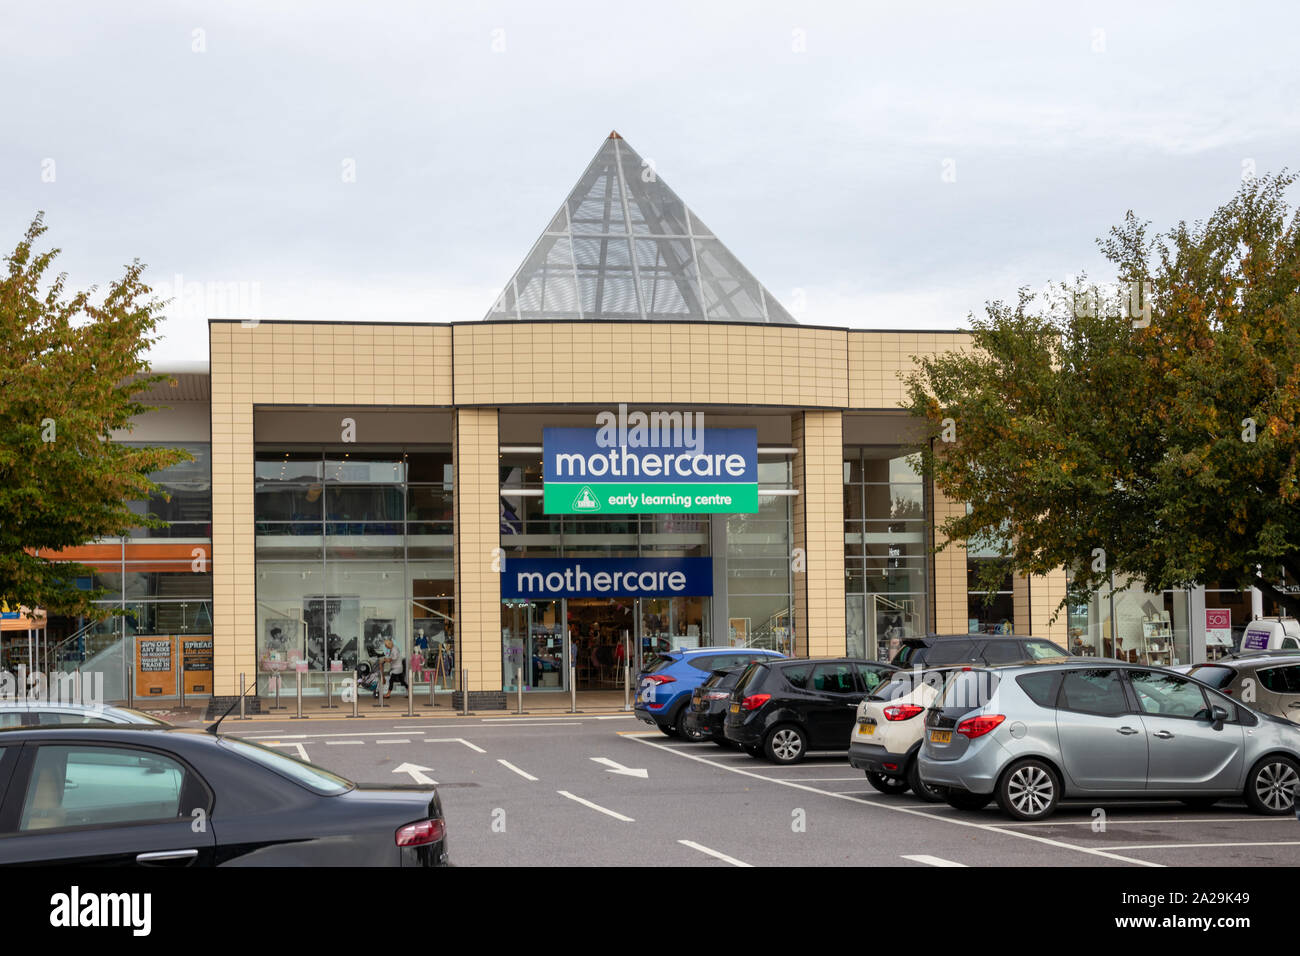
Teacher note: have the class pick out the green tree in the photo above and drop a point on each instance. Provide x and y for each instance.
(71, 368)
(1150, 434)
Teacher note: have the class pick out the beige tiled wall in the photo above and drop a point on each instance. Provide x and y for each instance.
(1047, 592)
(950, 616)
(1021, 595)
(478, 539)
(819, 531)
(667, 362)
(876, 360)
(295, 363)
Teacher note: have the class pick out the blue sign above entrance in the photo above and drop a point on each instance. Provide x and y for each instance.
(546, 578)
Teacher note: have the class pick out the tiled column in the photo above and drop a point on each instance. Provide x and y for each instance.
(234, 624)
(950, 613)
(475, 454)
(819, 530)
(1022, 604)
(1047, 591)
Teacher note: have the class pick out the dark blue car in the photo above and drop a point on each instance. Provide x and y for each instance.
(664, 686)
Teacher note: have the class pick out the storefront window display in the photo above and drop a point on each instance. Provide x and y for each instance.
(885, 550)
(354, 564)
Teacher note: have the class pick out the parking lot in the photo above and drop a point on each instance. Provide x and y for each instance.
(608, 790)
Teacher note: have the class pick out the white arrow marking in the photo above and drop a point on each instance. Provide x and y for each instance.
(416, 772)
(619, 768)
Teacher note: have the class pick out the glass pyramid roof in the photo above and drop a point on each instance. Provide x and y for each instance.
(624, 246)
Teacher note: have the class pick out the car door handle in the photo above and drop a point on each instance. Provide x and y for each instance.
(1126, 731)
(1163, 735)
(166, 856)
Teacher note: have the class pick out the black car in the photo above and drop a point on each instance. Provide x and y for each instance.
(937, 650)
(707, 710)
(173, 797)
(782, 709)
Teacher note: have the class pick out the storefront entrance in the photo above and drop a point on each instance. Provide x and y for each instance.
(602, 632)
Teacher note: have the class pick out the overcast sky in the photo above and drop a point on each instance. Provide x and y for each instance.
(874, 165)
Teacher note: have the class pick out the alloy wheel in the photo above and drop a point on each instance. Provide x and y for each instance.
(1031, 790)
(787, 744)
(1275, 785)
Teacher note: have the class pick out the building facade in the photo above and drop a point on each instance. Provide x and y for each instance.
(355, 483)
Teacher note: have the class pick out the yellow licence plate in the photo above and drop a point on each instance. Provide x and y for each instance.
(866, 729)
(941, 736)
(735, 708)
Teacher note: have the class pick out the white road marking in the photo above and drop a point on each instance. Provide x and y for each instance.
(395, 740)
(932, 860)
(545, 718)
(509, 766)
(474, 747)
(595, 806)
(900, 809)
(1196, 846)
(821, 779)
(615, 767)
(416, 772)
(533, 723)
(1112, 820)
(302, 752)
(387, 733)
(342, 743)
(714, 853)
(619, 717)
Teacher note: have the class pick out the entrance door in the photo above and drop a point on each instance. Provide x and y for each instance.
(596, 629)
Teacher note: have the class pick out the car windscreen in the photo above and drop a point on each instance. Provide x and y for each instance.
(312, 777)
(1213, 674)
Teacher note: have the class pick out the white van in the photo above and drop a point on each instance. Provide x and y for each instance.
(1271, 634)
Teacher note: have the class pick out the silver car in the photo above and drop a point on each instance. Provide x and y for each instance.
(35, 713)
(1030, 736)
(1268, 681)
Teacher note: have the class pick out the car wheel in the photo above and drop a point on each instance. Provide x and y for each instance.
(666, 730)
(1271, 783)
(965, 800)
(887, 785)
(753, 751)
(1029, 790)
(919, 787)
(785, 744)
(689, 731)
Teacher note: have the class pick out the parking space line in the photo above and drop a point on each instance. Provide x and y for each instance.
(302, 751)
(1200, 846)
(932, 860)
(595, 806)
(454, 740)
(341, 743)
(714, 853)
(509, 766)
(1090, 851)
(395, 740)
(1113, 821)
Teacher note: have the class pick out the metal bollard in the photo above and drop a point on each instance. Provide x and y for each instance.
(379, 686)
(627, 687)
(242, 715)
(278, 681)
(433, 689)
(573, 689)
(519, 685)
(298, 674)
(356, 695)
(329, 688)
(410, 690)
(464, 690)
(78, 693)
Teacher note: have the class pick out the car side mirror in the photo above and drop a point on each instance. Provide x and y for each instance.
(1217, 716)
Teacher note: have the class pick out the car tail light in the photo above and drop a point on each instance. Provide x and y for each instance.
(755, 701)
(418, 834)
(662, 679)
(717, 695)
(902, 712)
(979, 726)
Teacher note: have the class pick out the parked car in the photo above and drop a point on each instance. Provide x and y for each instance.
(664, 685)
(1029, 736)
(886, 737)
(989, 650)
(1268, 681)
(707, 710)
(783, 709)
(33, 713)
(173, 797)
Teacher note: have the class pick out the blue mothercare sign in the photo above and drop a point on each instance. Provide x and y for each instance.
(543, 578)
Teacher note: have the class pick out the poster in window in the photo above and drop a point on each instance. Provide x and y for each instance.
(155, 669)
(196, 664)
(333, 625)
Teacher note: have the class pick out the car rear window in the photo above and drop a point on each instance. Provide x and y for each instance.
(949, 652)
(796, 675)
(1038, 650)
(657, 662)
(752, 676)
(308, 775)
(967, 691)
(1215, 675)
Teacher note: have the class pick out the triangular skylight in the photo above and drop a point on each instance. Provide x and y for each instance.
(625, 247)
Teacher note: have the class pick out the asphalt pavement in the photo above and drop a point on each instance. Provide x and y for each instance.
(587, 790)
